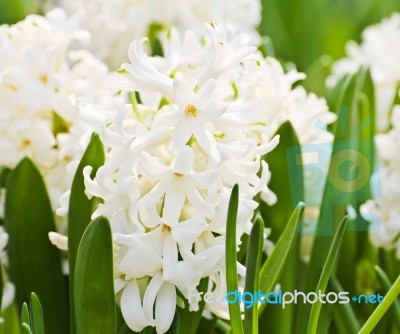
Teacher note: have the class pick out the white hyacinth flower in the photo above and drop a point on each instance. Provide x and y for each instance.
(198, 124)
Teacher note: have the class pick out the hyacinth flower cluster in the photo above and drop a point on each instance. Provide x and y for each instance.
(200, 120)
(115, 23)
(379, 51)
(47, 82)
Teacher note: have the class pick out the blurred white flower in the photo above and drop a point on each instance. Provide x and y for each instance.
(45, 83)
(380, 51)
(384, 212)
(115, 23)
(8, 288)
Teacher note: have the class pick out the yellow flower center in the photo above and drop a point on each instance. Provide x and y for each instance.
(191, 110)
(165, 228)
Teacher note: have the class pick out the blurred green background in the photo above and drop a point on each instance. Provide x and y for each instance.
(303, 31)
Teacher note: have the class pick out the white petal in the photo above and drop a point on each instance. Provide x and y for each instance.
(184, 160)
(183, 93)
(150, 297)
(187, 232)
(204, 93)
(165, 307)
(131, 307)
(173, 203)
(59, 240)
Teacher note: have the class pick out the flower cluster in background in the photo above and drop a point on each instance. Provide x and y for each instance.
(115, 24)
(380, 51)
(384, 213)
(46, 86)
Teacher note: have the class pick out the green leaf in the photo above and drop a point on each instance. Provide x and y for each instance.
(343, 313)
(326, 272)
(36, 312)
(189, 321)
(1, 283)
(231, 260)
(273, 267)
(380, 311)
(94, 285)
(25, 329)
(253, 260)
(59, 124)
(11, 323)
(207, 325)
(386, 284)
(353, 145)
(80, 210)
(25, 318)
(35, 264)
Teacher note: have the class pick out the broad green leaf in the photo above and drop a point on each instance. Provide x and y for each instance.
(382, 308)
(353, 151)
(36, 313)
(125, 330)
(35, 264)
(287, 183)
(253, 260)
(386, 284)
(4, 172)
(231, 260)
(207, 325)
(94, 286)
(80, 210)
(324, 279)
(25, 317)
(189, 321)
(272, 269)
(344, 313)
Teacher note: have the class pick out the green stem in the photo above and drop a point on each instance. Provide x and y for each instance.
(222, 326)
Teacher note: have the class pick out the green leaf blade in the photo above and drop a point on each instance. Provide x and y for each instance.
(231, 260)
(273, 266)
(254, 252)
(28, 220)
(36, 312)
(94, 284)
(80, 210)
(324, 278)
